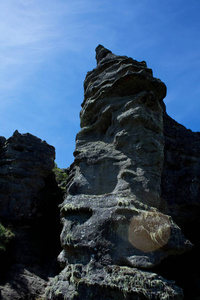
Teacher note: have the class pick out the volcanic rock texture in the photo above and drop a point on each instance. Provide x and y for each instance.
(29, 198)
(131, 212)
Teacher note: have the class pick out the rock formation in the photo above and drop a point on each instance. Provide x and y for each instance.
(29, 198)
(132, 201)
(130, 214)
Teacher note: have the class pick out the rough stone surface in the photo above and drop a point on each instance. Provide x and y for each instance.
(111, 282)
(25, 162)
(126, 208)
(130, 214)
(29, 198)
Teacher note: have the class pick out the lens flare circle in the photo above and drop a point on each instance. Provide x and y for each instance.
(149, 231)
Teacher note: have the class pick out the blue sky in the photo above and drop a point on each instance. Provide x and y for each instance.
(47, 47)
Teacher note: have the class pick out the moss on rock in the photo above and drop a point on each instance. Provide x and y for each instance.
(6, 235)
(61, 176)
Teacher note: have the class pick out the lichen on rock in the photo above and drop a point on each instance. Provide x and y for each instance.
(114, 216)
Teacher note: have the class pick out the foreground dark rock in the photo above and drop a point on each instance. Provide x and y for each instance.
(29, 198)
(132, 201)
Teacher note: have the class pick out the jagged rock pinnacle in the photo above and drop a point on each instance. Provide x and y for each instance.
(120, 186)
(101, 52)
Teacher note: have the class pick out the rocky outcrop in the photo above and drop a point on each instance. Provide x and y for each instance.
(25, 162)
(126, 210)
(29, 198)
(130, 215)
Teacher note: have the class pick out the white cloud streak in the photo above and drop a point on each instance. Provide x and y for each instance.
(33, 31)
(59, 36)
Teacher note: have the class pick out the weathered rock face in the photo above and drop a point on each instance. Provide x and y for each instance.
(25, 162)
(118, 213)
(29, 198)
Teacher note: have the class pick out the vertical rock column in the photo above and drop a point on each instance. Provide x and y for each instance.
(120, 146)
(111, 219)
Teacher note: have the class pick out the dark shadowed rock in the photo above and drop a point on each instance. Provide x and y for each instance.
(121, 214)
(2, 141)
(181, 172)
(25, 162)
(29, 198)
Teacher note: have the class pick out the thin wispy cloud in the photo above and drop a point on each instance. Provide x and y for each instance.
(24, 42)
(33, 37)
(33, 31)
(47, 46)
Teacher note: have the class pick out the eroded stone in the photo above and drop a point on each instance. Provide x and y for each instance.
(112, 215)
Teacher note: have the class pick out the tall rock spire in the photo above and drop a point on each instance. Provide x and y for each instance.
(101, 52)
(113, 214)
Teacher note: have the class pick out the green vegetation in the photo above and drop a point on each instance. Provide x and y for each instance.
(6, 235)
(61, 177)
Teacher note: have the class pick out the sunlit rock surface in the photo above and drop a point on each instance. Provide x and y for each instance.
(119, 214)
